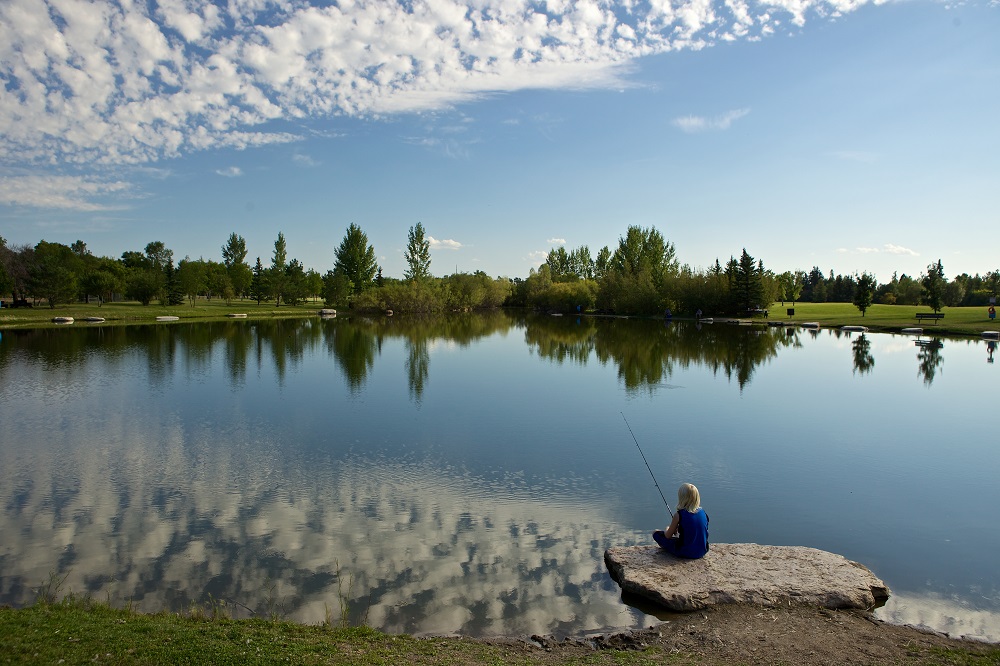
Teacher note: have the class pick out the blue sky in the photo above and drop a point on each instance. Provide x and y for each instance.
(844, 134)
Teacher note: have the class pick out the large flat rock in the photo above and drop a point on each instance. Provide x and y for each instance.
(746, 573)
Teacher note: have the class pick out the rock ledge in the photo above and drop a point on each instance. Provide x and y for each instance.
(746, 573)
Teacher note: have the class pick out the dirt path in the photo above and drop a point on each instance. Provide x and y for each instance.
(797, 635)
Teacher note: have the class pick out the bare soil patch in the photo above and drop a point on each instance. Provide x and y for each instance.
(741, 634)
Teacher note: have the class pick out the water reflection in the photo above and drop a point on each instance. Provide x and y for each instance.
(647, 353)
(172, 516)
(863, 359)
(929, 359)
(465, 472)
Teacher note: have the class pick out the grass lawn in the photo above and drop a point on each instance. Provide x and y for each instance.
(131, 312)
(78, 631)
(957, 321)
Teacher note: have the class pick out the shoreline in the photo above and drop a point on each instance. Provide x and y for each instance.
(78, 630)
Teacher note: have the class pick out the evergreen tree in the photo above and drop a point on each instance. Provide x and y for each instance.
(276, 274)
(258, 283)
(356, 259)
(748, 286)
(174, 292)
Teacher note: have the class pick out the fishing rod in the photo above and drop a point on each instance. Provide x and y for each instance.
(647, 465)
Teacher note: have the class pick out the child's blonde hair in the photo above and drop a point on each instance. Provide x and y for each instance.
(688, 498)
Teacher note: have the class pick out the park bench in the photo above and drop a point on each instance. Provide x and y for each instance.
(757, 311)
(930, 315)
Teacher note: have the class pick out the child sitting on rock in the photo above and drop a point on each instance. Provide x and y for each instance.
(687, 535)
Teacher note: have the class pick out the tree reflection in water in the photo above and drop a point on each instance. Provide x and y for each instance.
(930, 359)
(863, 359)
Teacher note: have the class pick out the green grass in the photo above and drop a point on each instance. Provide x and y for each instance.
(132, 312)
(78, 631)
(957, 321)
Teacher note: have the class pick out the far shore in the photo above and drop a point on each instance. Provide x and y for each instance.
(962, 322)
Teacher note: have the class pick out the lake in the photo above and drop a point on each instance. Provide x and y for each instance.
(464, 474)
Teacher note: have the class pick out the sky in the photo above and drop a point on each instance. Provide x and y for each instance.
(844, 134)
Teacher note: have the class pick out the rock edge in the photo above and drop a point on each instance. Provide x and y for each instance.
(746, 573)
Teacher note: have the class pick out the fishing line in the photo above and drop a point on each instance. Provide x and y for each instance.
(647, 465)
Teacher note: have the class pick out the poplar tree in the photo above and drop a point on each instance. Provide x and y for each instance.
(418, 254)
(276, 274)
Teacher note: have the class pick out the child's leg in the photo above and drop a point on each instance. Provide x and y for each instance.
(669, 545)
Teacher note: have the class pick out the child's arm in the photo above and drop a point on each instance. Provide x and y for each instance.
(672, 529)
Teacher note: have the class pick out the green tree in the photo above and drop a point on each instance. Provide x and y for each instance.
(158, 254)
(864, 295)
(17, 261)
(192, 278)
(104, 280)
(934, 284)
(337, 289)
(296, 285)
(417, 254)
(259, 289)
(747, 283)
(355, 259)
(52, 275)
(80, 249)
(601, 263)
(791, 286)
(234, 251)
(172, 292)
(560, 266)
(143, 284)
(637, 275)
(6, 281)
(234, 255)
(314, 284)
(644, 251)
(276, 274)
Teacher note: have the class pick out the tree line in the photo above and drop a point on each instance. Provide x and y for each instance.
(642, 275)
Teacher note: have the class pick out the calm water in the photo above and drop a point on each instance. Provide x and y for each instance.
(465, 475)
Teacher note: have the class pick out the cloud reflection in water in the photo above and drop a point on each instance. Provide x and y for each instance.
(432, 550)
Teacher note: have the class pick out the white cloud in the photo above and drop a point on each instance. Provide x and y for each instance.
(59, 192)
(693, 124)
(121, 82)
(443, 244)
(556, 241)
(897, 249)
(888, 248)
(305, 160)
(230, 172)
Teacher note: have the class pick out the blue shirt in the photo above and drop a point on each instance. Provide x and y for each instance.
(693, 529)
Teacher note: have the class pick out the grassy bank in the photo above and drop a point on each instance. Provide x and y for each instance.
(956, 321)
(77, 632)
(135, 313)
